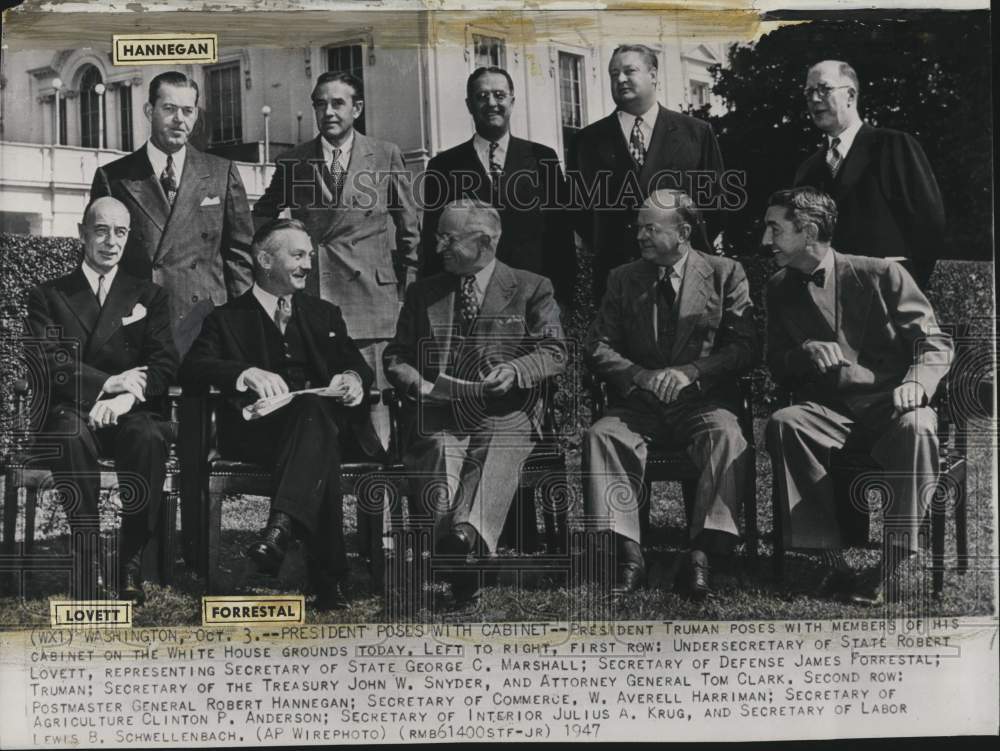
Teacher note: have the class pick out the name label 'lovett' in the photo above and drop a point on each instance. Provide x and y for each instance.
(253, 609)
(156, 49)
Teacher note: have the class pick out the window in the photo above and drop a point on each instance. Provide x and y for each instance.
(225, 104)
(91, 112)
(489, 51)
(570, 98)
(125, 116)
(700, 92)
(349, 58)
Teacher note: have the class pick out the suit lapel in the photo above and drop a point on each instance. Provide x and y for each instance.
(642, 285)
(246, 326)
(857, 160)
(362, 162)
(663, 144)
(691, 304)
(441, 317)
(853, 302)
(312, 332)
(802, 318)
(189, 193)
(470, 160)
(145, 189)
(613, 148)
(80, 299)
(121, 299)
(498, 292)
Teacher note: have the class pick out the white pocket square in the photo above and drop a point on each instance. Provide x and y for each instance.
(333, 334)
(210, 201)
(137, 314)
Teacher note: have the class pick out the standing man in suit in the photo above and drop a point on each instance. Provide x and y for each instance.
(858, 342)
(103, 397)
(674, 332)
(639, 148)
(481, 321)
(353, 195)
(191, 223)
(271, 340)
(888, 201)
(521, 179)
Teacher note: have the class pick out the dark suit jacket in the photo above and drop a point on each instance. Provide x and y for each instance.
(679, 147)
(531, 197)
(84, 344)
(888, 201)
(885, 327)
(715, 326)
(518, 323)
(199, 251)
(368, 243)
(232, 339)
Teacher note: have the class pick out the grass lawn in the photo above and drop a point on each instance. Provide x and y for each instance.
(740, 593)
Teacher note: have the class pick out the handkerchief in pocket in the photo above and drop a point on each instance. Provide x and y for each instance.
(137, 314)
(210, 201)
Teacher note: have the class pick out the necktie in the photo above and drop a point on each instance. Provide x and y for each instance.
(665, 299)
(168, 180)
(637, 143)
(282, 313)
(102, 290)
(833, 157)
(818, 277)
(469, 302)
(337, 176)
(495, 168)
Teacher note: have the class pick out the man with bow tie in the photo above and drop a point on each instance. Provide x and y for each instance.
(484, 322)
(674, 332)
(888, 201)
(857, 342)
(109, 357)
(272, 340)
(521, 179)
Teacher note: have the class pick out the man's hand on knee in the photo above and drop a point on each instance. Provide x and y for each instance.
(907, 397)
(107, 411)
(825, 356)
(263, 382)
(132, 381)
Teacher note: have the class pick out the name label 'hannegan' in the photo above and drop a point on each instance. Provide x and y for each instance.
(253, 609)
(156, 49)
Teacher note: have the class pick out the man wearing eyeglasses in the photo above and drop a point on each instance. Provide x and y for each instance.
(473, 346)
(109, 356)
(888, 201)
(521, 179)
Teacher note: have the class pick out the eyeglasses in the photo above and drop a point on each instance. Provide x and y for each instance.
(445, 240)
(484, 96)
(823, 90)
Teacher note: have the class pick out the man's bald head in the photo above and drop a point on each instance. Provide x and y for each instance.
(468, 234)
(104, 232)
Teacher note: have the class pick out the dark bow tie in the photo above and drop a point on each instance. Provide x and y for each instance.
(818, 277)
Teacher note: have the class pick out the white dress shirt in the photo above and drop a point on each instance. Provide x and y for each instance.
(846, 138)
(345, 151)
(676, 279)
(93, 277)
(158, 159)
(482, 147)
(627, 122)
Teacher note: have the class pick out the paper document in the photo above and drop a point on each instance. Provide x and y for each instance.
(263, 407)
(448, 388)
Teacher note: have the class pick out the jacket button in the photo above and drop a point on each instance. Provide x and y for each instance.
(194, 264)
(204, 235)
(194, 298)
(157, 265)
(357, 273)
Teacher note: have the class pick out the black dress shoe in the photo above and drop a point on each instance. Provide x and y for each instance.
(869, 588)
(331, 596)
(631, 576)
(460, 541)
(698, 576)
(836, 584)
(268, 551)
(131, 587)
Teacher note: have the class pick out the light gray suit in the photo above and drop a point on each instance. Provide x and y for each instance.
(887, 330)
(715, 333)
(474, 451)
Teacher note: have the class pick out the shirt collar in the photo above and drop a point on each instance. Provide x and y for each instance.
(484, 275)
(826, 263)
(648, 117)
(846, 138)
(94, 276)
(267, 301)
(483, 146)
(158, 159)
(345, 150)
(678, 268)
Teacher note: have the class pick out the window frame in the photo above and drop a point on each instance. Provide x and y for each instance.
(210, 113)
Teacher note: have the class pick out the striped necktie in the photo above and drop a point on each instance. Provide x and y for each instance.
(168, 180)
(833, 157)
(637, 143)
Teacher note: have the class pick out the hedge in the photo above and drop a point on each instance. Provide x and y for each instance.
(960, 291)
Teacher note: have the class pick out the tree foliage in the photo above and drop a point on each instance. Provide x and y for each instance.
(926, 73)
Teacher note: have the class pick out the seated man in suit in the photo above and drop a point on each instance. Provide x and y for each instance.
(272, 340)
(858, 342)
(102, 398)
(674, 331)
(481, 321)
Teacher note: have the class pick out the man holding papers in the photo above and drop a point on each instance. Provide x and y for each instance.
(269, 342)
(473, 345)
